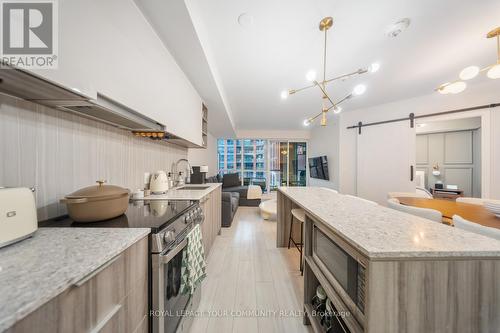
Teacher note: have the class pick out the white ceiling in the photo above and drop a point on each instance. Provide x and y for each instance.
(254, 64)
(173, 24)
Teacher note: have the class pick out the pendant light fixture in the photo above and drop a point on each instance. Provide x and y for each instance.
(327, 102)
(468, 73)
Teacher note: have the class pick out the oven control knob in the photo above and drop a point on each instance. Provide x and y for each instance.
(169, 236)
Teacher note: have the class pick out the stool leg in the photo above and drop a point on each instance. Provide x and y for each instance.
(301, 248)
(290, 236)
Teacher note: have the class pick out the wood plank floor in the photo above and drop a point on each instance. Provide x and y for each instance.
(251, 285)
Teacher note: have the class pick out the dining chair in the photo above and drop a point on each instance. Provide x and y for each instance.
(362, 199)
(423, 191)
(461, 223)
(469, 200)
(430, 214)
(476, 201)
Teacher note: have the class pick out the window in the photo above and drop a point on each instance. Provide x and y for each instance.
(267, 163)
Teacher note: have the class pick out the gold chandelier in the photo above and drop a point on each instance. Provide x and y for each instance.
(468, 73)
(327, 102)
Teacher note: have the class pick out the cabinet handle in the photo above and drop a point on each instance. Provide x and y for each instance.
(106, 318)
(99, 269)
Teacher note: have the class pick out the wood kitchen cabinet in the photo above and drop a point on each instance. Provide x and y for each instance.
(210, 228)
(113, 298)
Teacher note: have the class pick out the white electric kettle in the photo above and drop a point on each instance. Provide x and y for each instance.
(159, 182)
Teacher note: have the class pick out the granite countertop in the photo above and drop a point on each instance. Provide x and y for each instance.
(382, 233)
(177, 194)
(38, 269)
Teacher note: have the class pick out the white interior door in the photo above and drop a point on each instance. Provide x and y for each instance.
(385, 160)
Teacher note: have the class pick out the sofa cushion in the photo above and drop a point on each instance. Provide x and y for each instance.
(242, 190)
(231, 179)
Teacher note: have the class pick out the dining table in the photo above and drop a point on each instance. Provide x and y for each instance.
(474, 213)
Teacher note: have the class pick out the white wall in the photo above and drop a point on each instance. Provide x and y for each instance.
(325, 141)
(477, 94)
(59, 152)
(206, 156)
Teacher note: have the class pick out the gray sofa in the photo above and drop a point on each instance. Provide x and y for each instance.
(230, 203)
(231, 183)
(233, 196)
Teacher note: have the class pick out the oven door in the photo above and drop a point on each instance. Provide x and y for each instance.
(168, 301)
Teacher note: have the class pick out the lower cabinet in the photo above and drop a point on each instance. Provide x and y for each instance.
(210, 228)
(113, 298)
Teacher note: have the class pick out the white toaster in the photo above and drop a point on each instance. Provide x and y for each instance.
(18, 218)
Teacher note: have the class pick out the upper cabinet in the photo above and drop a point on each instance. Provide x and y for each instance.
(108, 47)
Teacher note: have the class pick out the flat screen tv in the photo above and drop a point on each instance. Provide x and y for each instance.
(318, 167)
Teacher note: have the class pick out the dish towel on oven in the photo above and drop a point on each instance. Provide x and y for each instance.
(193, 262)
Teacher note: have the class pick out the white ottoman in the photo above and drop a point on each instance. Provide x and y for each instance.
(269, 209)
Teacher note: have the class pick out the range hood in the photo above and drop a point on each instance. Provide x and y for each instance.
(22, 84)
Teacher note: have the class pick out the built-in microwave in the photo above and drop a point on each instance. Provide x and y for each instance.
(346, 270)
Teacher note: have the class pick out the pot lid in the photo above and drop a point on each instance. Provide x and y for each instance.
(99, 191)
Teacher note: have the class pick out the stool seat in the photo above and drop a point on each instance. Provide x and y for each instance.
(299, 214)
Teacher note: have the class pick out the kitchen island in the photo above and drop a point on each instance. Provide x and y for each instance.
(390, 271)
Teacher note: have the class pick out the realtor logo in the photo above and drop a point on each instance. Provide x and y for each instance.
(29, 33)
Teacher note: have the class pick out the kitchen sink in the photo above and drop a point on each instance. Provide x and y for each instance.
(199, 188)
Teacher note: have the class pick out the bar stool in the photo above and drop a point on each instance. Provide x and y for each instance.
(300, 216)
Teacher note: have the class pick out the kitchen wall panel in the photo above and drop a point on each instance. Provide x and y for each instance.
(59, 152)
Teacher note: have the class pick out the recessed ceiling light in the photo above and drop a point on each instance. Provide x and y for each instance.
(245, 20)
(395, 29)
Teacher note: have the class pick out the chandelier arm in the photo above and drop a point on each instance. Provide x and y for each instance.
(348, 96)
(324, 92)
(316, 116)
(358, 72)
(293, 91)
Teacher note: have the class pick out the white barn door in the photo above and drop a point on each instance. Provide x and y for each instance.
(385, 160)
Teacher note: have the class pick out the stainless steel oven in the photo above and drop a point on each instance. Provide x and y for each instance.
(169, 304)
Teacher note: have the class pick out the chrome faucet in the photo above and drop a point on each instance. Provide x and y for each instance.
(177, 177)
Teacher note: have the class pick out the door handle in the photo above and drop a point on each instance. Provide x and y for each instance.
(411, 173)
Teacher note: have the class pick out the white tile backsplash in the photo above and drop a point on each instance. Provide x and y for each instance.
(59, 152)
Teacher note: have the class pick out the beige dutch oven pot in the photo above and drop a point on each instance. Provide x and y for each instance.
(97, 203)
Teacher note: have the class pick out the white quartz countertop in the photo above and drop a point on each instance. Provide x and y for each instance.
(381, 233)
(38, 269)
(191, 194)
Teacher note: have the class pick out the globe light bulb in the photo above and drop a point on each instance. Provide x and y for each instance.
(494, 72)
(374, 67)
(307, 122)
(360, 89)
(337, 109)
(284, 94)
(469, 73)
(311, 75)
(457, 87)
